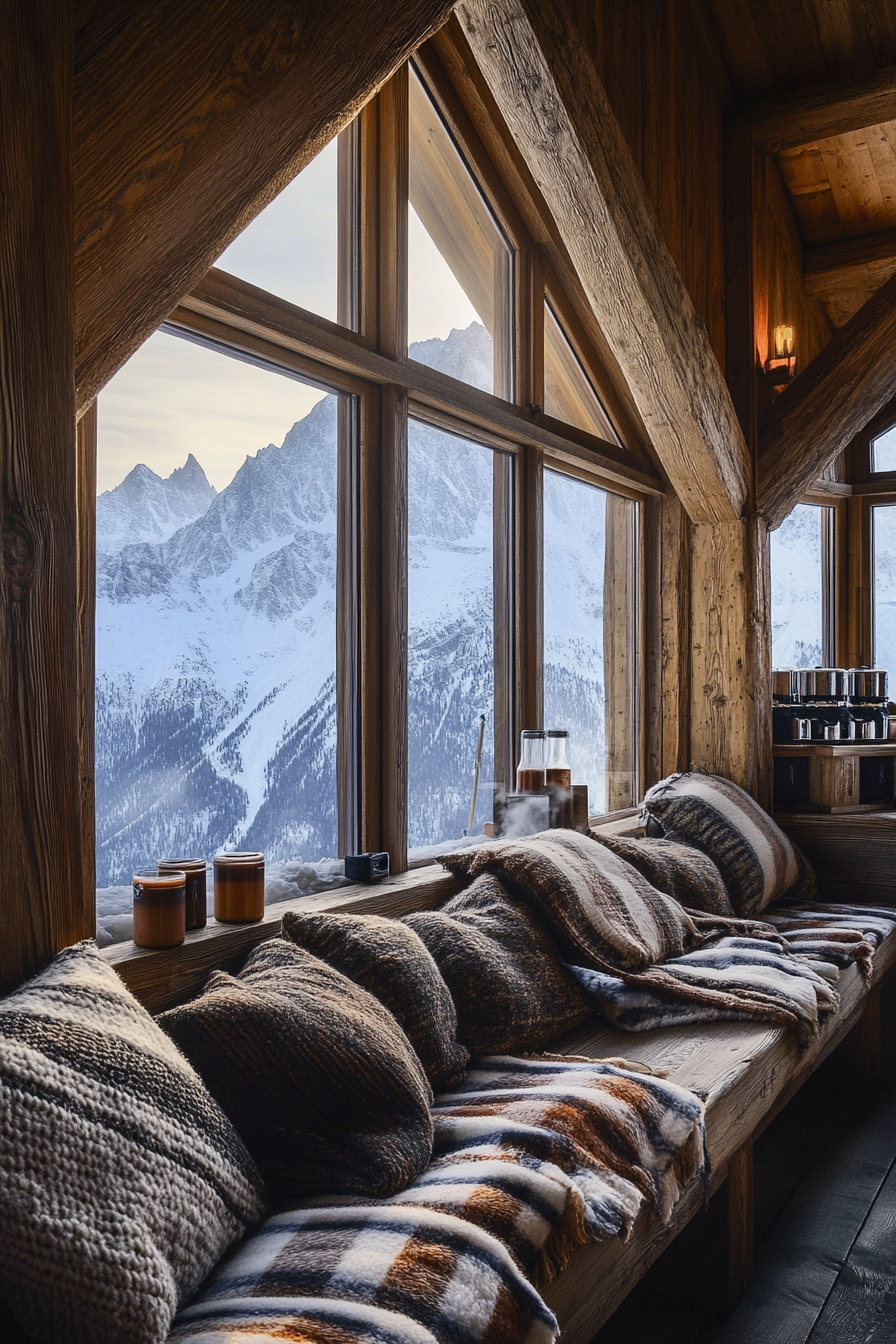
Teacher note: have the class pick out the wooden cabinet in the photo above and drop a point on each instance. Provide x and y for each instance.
(834, 777)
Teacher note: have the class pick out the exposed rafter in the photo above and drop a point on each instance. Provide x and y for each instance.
(816, 114)
(816, 416)
(555, 106)
(845, 275)
(189, 118)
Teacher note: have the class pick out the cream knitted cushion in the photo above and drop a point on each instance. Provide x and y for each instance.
(121, 1181)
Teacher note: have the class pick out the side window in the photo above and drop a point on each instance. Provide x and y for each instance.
(802, 588)
(590, 635)
(883, 525)
(883, 450)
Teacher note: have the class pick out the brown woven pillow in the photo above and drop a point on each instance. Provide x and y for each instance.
(603, 913)
(392, 964)
(510, 989)
(681, 871)
(316, 1075)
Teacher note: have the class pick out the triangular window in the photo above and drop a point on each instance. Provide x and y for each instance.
(569, 394)
(883, 451)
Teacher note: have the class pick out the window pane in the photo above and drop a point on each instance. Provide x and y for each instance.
(452, 579)
(799, 589)
(883, 451)
(292, 248)
(459, 262)
(568, 392)
(590, 615)
(884, 540)
(216, 616)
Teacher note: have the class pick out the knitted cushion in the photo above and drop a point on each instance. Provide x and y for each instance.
(510, 989)
(121, 1181)
(391, 963)
(600, 908)
(679, 870)
(318, 1077)
(757, 861)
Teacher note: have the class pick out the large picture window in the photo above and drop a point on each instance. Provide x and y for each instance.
(883, 532)
(338, 572)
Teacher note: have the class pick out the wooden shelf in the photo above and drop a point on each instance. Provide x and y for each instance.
(882, 748)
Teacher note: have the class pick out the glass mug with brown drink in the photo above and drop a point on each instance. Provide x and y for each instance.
(196, 916)
(159, 907)
(239, 887)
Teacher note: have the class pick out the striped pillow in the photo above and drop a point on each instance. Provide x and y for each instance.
(757, 861)
(121, 1181)
(681, 871)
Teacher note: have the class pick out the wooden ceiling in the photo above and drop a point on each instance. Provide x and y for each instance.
(788, 56)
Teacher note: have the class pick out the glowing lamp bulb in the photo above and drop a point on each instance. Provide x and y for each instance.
(783, 342)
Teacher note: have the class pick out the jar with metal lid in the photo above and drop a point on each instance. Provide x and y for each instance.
(239, 887)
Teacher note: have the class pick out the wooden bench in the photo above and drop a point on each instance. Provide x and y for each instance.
(745, 1072)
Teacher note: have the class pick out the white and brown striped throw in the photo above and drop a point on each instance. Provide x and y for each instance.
(531, 1158)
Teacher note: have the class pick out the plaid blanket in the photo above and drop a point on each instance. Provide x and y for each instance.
(532, 1157)
(841, 934)
(750, 971)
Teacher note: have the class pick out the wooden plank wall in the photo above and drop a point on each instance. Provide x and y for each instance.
(666, 83)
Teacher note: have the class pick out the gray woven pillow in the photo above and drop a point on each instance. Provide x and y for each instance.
(121, 1181)
(391, 963)
(756, 859)
(681, 871)
(510, 988)
(318, 1077)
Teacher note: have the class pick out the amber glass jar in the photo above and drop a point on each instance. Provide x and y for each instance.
(159, 908)
(239, 888)
(196, 917)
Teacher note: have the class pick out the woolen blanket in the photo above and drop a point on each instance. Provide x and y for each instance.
(749, 970)
(531, 1158)
(607, 917)
(836, 933)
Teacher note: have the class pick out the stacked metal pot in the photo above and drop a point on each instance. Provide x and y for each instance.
(829, 704)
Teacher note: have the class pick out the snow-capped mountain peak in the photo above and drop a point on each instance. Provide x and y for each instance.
(148, 507)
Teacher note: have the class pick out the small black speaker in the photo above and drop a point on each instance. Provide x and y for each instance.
(366, 867)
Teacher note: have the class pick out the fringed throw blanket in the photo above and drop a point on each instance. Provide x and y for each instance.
(841, 934)
(750, 971)
(531, 1158)
(607, 917)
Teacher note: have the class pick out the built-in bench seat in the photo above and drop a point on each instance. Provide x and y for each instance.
(746, 1073)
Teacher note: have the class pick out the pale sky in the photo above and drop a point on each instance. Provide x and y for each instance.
(173, 398)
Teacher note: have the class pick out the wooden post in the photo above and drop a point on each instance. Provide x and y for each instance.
(739, 1194)
(44, 904)
(730, 712)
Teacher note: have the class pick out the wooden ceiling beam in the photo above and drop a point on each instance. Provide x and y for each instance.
(554, 104)
(845, 275)
(190, 116)
(817, 114)
(814, 419)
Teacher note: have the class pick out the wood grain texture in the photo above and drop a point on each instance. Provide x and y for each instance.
(744, 1070)
(549, 95)
(814, 418)
(189, 118)
(730, 655)
(85, 502)
(676, 622)
(850, 854)
(845, 275)
(41, 885)
(739, 1200)
(818, 114)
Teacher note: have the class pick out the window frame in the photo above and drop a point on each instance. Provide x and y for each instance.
(367, 358)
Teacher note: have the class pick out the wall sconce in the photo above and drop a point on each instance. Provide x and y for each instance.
(780, 368)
